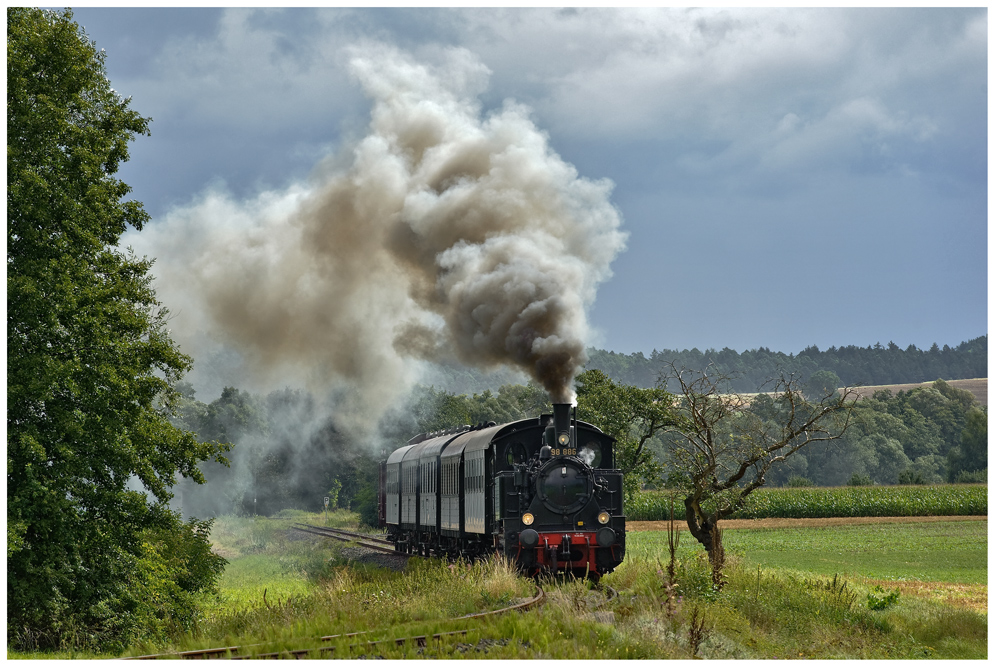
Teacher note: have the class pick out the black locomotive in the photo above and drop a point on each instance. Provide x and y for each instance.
(544, 492)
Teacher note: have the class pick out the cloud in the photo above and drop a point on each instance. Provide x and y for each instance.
(716, 84)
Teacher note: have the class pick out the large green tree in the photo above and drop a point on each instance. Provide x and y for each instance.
(90, 364)
(631, 415)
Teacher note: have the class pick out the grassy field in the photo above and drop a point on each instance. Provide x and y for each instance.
(799, 608)
(955, 552)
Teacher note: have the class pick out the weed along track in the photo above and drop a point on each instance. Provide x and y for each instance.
(246, 652)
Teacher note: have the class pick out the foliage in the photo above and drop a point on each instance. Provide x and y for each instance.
(858, 479)
(877, 599)
(976, 477)
(435, 409)
(630, 415)
(90, 364)
(286, 453)
(333, 494)
(916, 436)
(847, 501)
(365, 504)
(175, 568)
(972, 454)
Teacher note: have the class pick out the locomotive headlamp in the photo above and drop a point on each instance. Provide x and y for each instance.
(604, 518)
(563, 439)
(527, 518)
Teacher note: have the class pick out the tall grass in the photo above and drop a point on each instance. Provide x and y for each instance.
(848, 501)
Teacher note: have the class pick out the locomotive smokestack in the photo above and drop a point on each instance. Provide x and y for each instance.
(561, 424)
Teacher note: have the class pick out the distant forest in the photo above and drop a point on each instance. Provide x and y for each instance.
(865, 366)
(872, 365)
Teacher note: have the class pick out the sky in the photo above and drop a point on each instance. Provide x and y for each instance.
(783, 178)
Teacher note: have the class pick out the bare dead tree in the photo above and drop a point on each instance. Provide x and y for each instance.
(725, 443)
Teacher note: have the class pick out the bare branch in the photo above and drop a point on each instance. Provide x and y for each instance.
(725, 446)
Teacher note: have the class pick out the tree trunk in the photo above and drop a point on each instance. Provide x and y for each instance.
(699, 524)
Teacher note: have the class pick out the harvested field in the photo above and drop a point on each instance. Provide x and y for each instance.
(977, 386)
(733, 524)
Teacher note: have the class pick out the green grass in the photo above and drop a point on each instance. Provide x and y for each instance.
(313, 590)
(845, 501)
(955, 551)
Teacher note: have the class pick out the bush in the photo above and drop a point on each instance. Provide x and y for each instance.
(909, 476)
(972, 477)
(156, 599)
(796, 481)
(860, 480)
(878, 599)
(365, 504)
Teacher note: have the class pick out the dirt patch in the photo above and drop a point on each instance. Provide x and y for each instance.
(734, 524)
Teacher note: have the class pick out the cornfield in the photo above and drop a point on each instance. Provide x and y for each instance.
(843, 501)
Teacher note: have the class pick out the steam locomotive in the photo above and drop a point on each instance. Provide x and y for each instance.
(544, 492)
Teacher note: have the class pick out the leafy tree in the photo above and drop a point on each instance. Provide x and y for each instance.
(972, 454)
(823, 383)
(90, 364)
(630, 415)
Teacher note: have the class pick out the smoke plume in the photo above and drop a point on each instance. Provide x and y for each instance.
(444, 234)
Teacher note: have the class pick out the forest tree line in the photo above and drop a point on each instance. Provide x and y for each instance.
(865, 366)
(284, 455)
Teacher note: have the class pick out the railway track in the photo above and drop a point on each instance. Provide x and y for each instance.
(363, 540)
(369, 542)
(246, 652)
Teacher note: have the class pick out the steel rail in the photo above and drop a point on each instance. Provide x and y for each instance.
(232, 652)
(345, 536)
(610, 595)
(339, 531)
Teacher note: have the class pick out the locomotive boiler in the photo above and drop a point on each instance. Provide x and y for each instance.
(544, 492)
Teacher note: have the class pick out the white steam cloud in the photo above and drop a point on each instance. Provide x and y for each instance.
(441, 235)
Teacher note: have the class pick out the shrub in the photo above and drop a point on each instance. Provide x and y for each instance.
(365, 504)
(909, 476)
(972, 477)
(859, 479)
(878, 599)
(796, 481)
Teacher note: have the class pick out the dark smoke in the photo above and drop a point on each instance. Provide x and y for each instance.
(444, 234)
